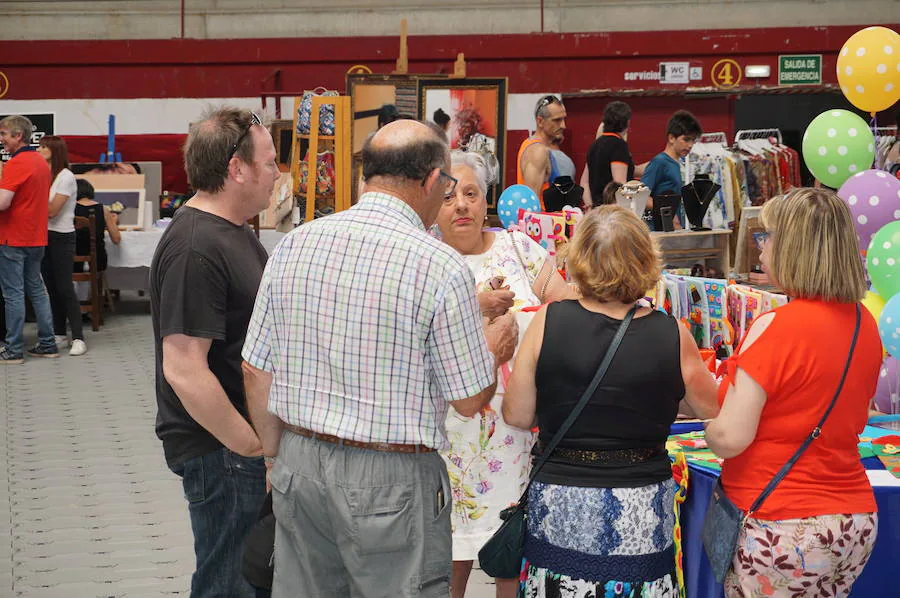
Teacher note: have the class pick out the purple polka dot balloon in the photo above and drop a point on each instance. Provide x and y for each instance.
(874, 200)
(887, 397)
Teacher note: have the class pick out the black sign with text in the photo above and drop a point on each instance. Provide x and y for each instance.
(43, 125)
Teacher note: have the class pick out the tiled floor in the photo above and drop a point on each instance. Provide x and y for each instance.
(87, 504)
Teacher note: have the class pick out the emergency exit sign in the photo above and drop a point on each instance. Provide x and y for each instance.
(800, 69)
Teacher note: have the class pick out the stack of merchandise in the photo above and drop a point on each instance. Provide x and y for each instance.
(718, 314)
(744, 304)
(699, 303)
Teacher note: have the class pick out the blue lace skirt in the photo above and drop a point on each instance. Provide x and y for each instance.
(599, 542)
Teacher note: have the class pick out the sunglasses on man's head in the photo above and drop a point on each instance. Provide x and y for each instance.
(254, 120)
(545, 101)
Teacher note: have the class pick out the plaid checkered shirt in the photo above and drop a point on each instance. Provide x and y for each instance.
(369, 327)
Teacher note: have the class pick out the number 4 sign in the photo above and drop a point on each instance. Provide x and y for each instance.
(726, 74)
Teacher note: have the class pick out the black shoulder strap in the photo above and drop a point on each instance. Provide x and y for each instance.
(816, 431)
(582, 402)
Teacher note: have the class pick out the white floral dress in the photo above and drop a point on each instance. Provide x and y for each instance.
(488, 461)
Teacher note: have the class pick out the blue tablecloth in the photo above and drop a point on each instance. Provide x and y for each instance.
(880, 573)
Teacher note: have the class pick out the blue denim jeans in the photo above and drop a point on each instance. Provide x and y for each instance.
(20, 273)
(225, 492)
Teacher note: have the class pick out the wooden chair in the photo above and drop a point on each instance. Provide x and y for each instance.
(106, 293)
(92, 276)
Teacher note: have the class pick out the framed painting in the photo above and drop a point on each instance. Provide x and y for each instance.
(128, 204)
(371, 95)
(477, 111)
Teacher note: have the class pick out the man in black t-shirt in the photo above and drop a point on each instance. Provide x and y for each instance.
(204, 279)
(609, 158)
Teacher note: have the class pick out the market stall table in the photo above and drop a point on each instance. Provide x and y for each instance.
(128, 264)
(879, 574)
(686, 247)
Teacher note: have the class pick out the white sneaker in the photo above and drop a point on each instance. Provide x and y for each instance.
(78, 348)
(61, 341)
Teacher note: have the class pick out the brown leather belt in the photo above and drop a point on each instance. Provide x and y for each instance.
(613, 457)
(384, 447)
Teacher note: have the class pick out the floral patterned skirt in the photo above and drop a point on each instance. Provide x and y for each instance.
(795, 558)
(488, 464)
(599, 542)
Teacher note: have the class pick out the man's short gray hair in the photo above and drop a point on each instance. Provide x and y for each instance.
(18, 124)
(484, 173)
(542, 107)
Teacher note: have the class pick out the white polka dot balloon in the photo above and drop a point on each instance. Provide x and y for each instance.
(873, 197)
(513, 198)
(868, 68)
(888, 385)
(883, 260)
(889, 326)
(838, 144)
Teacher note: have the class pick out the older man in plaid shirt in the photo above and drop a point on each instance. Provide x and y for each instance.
(365, 329)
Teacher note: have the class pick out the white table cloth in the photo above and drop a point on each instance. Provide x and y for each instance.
(128, 263)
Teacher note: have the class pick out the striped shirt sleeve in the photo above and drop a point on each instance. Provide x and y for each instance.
(456, 347)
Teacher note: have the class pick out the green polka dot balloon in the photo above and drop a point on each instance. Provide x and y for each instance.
(883, 260)
(838, 144)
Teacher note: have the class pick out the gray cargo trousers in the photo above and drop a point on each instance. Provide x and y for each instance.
(359, 523)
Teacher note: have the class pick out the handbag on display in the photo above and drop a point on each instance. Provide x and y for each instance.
(724, 519)
(326, 113)
(324, 179)
(501, 556)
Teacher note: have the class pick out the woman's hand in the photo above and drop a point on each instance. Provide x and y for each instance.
(495, 303)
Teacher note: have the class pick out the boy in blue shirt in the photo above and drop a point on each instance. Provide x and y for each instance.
(663, 173)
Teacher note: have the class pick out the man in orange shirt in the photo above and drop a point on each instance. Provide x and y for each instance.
(534, 165)
(24, 202)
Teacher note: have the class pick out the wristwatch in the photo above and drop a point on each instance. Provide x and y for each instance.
(269, 460)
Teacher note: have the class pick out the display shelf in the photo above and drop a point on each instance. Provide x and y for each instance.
(320, 137)
(340, 142)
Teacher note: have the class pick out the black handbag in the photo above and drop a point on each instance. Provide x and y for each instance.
(501, 556)
(257, 563)
(724, 520)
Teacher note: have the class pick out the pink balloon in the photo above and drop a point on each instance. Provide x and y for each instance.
(887, 397)
(874, 200)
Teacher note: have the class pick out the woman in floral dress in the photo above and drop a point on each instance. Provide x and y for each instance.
(488, 462)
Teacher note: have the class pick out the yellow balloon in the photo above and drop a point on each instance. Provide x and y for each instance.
(874, 303)
(868, 68)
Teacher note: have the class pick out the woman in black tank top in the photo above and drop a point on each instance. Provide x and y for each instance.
(600, 515)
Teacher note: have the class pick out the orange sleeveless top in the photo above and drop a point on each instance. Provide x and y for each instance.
(798, 360)
(521, 179)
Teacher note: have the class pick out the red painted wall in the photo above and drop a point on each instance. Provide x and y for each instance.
(533, 62)
(136, 148)
(568, 63)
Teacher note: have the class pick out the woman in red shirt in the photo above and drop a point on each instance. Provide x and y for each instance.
(815, 532)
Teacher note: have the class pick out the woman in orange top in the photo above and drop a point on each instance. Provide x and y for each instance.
(815, 532)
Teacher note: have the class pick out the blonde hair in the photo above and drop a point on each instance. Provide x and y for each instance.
(612, 256)
(814, 248)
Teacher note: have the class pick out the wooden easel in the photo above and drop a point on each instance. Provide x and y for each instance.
(402, 66)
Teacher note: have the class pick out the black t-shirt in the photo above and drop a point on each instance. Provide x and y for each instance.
(633, 407)
(203, 283)
(606, 149)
